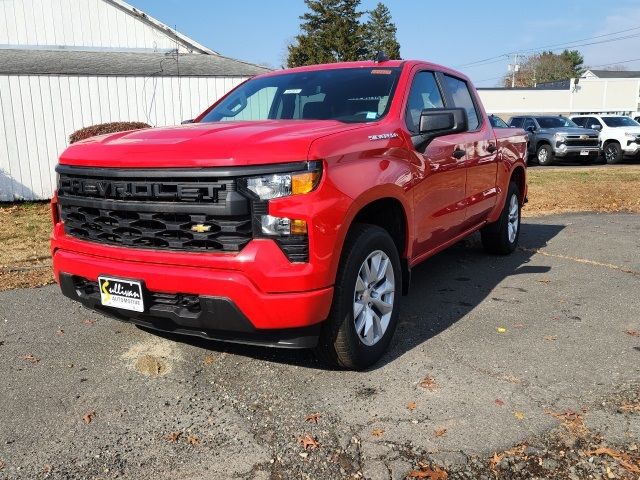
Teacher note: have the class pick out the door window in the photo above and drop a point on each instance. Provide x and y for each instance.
(459, 91)
(528, 122)
(516, 122)
(424, 94)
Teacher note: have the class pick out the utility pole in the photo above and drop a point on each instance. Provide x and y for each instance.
(514, 68)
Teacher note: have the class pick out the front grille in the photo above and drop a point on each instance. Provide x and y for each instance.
(174, 231)
(576, 141)
(172, 210)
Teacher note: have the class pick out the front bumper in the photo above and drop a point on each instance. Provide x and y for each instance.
(231, 307)
(571, 151)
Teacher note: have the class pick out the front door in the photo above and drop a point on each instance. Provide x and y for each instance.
(438, 171)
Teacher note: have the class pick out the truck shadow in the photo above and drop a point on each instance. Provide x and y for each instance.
(444, 289)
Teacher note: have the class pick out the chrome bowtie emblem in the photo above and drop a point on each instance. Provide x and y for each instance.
(584, 137)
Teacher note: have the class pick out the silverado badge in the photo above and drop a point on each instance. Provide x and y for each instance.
(584, 137)
(200, 228)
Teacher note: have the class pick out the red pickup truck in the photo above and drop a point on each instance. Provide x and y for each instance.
(291, 212)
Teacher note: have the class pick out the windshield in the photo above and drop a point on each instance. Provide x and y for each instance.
(555, 122)
(620, 122)
(346, 94)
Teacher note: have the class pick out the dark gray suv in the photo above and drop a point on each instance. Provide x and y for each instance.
(552, 137)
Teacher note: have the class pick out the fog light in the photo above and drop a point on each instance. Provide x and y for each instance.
(277, 226)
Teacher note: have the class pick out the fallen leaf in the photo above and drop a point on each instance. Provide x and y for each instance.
(87, 417)
(499, 402)
(208, 360)
(519, 325)
(312, 417)
(550, 338)
(441, 432)
(544, 280)
(623, 459)
(633, 333)
(173, 436)
(2, 464)
(47, 470)
(89, 322)
(628, 407)
(30, 358)
(308, 442)
(571, 420)
(1, 343)
(519, 415)
(429, 383)
(425, 471)
(377, 432)
(412, 405)
(60, 331)
(193, 439)
(501, 330)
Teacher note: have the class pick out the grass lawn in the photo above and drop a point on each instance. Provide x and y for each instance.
(25, 228)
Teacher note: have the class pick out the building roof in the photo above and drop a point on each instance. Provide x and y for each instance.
(187, 42)
(615, 73)
(91, 63)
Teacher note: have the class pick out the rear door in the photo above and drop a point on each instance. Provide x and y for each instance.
(481, 150)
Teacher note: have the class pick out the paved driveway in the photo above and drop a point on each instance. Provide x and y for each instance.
(498, 340)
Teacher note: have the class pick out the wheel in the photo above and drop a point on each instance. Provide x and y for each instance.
(612, 153)
(545, 155)
(501, 237)
(364, 312)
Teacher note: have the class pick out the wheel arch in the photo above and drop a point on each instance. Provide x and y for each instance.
(387, 209)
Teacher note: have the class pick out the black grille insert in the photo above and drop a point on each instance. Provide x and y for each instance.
(133, 208)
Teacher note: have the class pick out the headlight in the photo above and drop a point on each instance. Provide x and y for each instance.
(560, 137)
(280, 185)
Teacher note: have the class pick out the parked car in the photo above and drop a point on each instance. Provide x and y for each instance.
(552, 137)
(292, 211)
(619, 135)
(497, 122)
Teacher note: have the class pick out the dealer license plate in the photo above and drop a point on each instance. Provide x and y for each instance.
(584, 152)
(118, 293)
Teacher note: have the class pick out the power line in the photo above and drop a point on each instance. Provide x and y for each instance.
(569, 44)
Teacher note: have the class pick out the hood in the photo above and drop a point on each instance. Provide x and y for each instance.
(204, 144)
(571, 131)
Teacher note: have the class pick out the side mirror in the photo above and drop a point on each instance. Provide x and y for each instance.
(184, 122)
(435, 122)
(595, 127)
(531, 128)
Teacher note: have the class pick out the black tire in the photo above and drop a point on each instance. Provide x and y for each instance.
(495, 236)
(546, 152)
(612, 153)
(339, 344)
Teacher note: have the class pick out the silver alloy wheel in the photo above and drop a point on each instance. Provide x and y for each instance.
(373, 297)
(542, 155)
(513, 222)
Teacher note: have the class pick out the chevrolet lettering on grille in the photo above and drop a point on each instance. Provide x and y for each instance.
(139, 190)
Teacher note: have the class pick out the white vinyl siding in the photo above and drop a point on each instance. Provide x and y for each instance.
(39, 112)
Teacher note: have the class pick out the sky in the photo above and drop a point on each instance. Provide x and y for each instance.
(454, 33)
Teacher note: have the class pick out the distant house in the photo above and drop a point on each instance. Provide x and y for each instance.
(67, 64)
(596, 91)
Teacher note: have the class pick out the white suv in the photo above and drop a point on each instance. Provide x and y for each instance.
(619, 135)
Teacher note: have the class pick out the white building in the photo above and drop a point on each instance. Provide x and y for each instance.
(597, 91)
(68, 64)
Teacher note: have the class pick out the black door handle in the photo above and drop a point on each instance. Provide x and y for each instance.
(457, 153)
(491, 148)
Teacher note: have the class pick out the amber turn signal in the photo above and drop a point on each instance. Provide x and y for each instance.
(304, 182)
(298, 227)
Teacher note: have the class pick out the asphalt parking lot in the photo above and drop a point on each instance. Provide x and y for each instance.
(485, 345)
